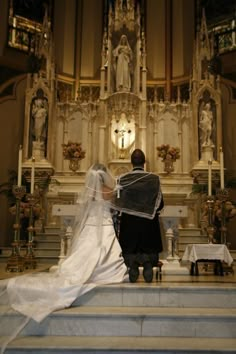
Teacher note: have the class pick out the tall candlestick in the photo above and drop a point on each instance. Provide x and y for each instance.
(32, 176)
(222, 179)
(19, 167)
(209, 178)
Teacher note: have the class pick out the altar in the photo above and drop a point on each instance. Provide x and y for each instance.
(110, 117)
(217, 253)
(170, 217)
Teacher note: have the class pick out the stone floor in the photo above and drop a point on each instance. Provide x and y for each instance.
(206, 275)
(6, 274)
(68, 344)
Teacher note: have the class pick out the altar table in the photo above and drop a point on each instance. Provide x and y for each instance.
(217, 253)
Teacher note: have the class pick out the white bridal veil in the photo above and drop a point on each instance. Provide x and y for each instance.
(94, 258)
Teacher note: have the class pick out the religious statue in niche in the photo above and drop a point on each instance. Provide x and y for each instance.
(123, 57)
(206, 122)
(39, 123)
(39, 115)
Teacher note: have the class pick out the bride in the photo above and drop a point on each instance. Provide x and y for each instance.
(94, 258)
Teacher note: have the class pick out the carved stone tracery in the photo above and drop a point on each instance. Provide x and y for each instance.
(111, 122)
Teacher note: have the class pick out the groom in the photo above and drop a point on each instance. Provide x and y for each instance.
(139, 200)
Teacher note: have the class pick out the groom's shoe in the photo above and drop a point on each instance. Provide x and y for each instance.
(148, 272)
(133, 273)
(131, 260)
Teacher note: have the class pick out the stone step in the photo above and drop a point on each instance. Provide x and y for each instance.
(160, 317)
(45, 243)
(221, 294)
(42, 252)
(48, 236)
(159, 294)
(122, 345)
(52, 229)
(182, 246)
(189, 232)
(53, 260)
(192, 239)
(43, 259)
(38, 251)
(183, 241)
(129, 321)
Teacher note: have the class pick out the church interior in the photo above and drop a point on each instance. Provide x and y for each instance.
(83, 82)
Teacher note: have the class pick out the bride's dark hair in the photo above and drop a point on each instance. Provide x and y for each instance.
(99, 166)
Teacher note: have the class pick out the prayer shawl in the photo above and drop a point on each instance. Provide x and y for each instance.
(138, 193)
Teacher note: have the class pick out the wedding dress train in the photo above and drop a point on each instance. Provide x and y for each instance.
(91, 264)
(95, 259)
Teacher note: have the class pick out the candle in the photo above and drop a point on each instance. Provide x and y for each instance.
(209, 178)
(222, 179)
(32, 176)
(19, 167)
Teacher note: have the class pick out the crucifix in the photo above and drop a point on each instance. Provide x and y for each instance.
(122, 132)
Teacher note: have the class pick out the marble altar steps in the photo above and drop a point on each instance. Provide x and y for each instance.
(47, 244)
(137, 318)
(46, 247)
(189, 236)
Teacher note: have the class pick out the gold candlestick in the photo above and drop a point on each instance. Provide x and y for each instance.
(223, 196)
(16, 262)
(29, 259)
(210, 226)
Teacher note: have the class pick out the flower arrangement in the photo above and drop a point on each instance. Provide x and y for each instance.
(167, 152)
(73, 151)
(229, 210)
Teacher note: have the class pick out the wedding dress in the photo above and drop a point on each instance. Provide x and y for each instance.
(94, 258)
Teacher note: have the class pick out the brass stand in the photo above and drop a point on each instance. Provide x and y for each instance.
(223, 196)
(29, 259)
(16, 262)
(210, 226)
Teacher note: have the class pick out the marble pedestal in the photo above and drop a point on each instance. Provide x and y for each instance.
(170, 218)
(67, 214)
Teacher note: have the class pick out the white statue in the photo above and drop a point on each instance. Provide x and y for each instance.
(39, 115)
(123, 58)
(205, 124)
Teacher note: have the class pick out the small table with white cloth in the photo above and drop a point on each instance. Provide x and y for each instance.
(209, 252)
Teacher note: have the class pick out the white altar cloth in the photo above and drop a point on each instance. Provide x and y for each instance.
(195, 252)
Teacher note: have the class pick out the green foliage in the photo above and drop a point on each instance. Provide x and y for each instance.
(6, 187)
(199, 188)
